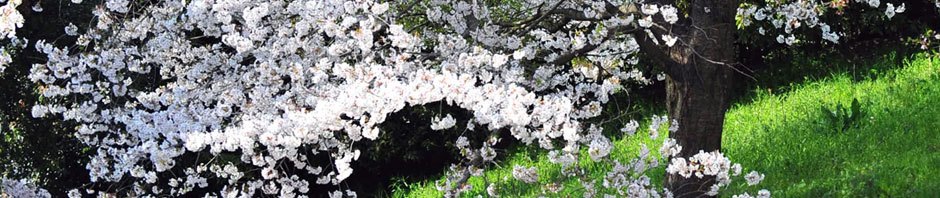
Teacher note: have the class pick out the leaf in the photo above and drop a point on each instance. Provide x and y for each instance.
(856, 109)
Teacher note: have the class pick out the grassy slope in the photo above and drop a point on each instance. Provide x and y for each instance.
(893, 151)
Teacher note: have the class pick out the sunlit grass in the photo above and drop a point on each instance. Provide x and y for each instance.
(893, 150)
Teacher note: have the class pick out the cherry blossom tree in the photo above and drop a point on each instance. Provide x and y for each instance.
(172, 95)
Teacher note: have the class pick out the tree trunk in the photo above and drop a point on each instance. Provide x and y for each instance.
(700, 72)
(698, 104)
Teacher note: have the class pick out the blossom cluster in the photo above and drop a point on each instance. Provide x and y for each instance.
(527, 175)
(248, 92)
(7, 52)
(10, 19)
(789, 16)
(443, 123)
(292, 79)
(631, 180)
(710, 164)
(21, 188)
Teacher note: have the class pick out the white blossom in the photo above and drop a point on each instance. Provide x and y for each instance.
(713, 190)
(71, 30)
(670, 148)
(679, 166)
(670, 40)
(462, 142)
(790, 40)
(600, 147)
(37, 7)
(669, 14)
(269, 173)
(743, 195)
(117, 5)
(74, 193)
(499, 60)
(492, 190)
(10, 19)
(343, 168)
(527, 175)
(400, 38)
(519, 54)
(39, 111)
(21, 188)
(753, 178)
(890, 11)
(763, 193)
(379, 8)
(646, 22)
(649, 9)
(443, 123)
(630, 127)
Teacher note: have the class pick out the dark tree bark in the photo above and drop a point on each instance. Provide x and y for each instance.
(700, 72)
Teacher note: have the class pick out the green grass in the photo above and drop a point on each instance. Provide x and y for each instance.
(892, 150)
(889, 148)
